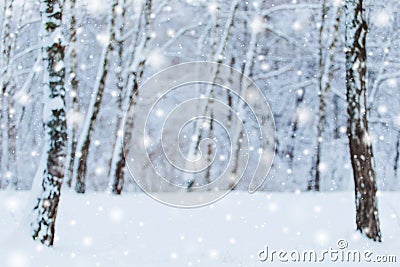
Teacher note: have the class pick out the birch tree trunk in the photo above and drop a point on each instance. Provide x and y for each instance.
(54, 120)
(73, 84)
(326, 64)
(247, 70)
(5, 83)
(116, 175)
(83, 145)
(397, 161)
(359, 140)
(217, 54)
(131, 78)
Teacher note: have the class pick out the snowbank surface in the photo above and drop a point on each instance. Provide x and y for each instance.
(134, 230)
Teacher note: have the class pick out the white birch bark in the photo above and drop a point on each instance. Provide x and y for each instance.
(83, 144)
(54, 120)
(72, 90)
(6, 176)
(136, 68)
(216, 57)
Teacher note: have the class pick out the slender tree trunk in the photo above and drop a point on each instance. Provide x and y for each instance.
(313, 184)
(294, 128)
(326, 65)
(73, 84)
(218, 51)
(397, 158)
(6, 175)
(118, 164)
(12, 140)
(359, 140)
(54, 120)
(83, 145)
(116, 174)
(336, 112)
(247, 70)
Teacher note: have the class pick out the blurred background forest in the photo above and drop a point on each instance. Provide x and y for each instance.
(293, 50)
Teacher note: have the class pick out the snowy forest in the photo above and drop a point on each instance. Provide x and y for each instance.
(71, 70)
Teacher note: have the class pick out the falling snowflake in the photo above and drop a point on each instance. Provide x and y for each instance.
(119, 9)
(322, 167)
(87, 241)
(272, 207)
(265, 67)
(157, 58)
(37, 68)
(297, 26)
(257, 25)
(382, 18)
(22, 98)
(99, 171)
(102, 38)
(74, 117)
(392, 83)
(160, 113)
(18, 259)
(212, 8)
(382, 109)
(116, 215)
(304, 115)
(12, 204)
(321, 237)
(170, 33)
(213, 254)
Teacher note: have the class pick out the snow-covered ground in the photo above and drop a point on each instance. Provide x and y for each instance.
(134, 230)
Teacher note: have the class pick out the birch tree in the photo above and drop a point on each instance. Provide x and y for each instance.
(326, 66)
(216, 56)
(116, 175)
(73, 84)
(138, 53)
(361, 153)
(396, 162)
(247, 70)
(83, 145)
(54, 120)
(6, 95)
(131, 79)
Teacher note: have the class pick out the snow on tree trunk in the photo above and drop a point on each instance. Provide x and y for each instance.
(359, 140)
(116, 174)
(73, 84)
(54, 120)
(118, 164)
(5, 95)
(217, 55)
(12, 169)
(83, 145)
(397, 160)
(136, 67)
(326, 65)
(247, 68)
